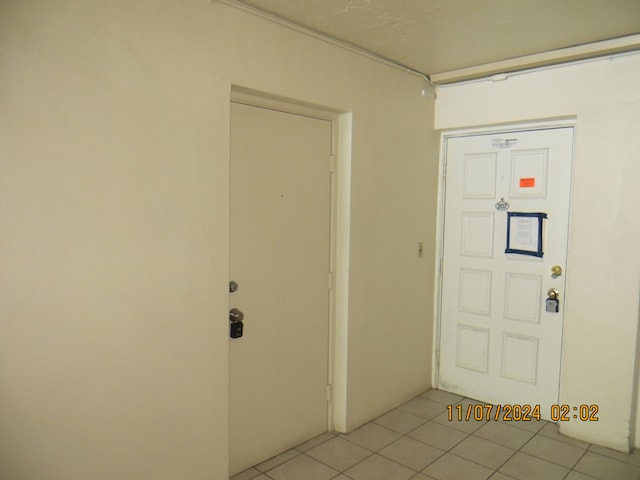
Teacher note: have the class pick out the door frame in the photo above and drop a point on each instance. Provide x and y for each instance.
(496, 129)
(340, 205)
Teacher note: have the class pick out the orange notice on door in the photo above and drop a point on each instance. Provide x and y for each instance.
(527, 182)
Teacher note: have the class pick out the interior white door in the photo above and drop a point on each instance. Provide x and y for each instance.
(280, 245)
(498, 342)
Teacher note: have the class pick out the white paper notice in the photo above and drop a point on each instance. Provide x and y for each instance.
(524, 233)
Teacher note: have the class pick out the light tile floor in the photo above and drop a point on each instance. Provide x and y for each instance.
(416, 441)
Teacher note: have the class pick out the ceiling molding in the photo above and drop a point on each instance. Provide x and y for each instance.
(326, 38)
(553, 57)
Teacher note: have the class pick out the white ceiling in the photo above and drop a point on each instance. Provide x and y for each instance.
(441, 37)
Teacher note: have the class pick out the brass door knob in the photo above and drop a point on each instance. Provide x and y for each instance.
(556, 270)
(552, 293)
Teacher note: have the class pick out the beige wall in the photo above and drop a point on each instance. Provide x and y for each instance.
(603, 274)
(114, 127)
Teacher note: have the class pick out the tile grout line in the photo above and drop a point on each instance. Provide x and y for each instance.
(449, 451)
(590, 449)
(351, 466)
(300, 453)
(585, 450)
(334, 435)
(578, 461)
(519, 450)
(570, 469)
(427, 420)
(514, 454)
(410, 468)
(581, 456)
(377, 452)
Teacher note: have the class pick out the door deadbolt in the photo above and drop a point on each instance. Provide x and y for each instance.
(233, 286)
(235, 315)
(552, 304)
(556, 271)
(236, 327)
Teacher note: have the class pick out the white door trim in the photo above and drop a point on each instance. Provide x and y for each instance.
(341, 128)
(444, 136)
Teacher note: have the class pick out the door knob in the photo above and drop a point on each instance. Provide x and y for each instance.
(556, 271)
(552, 304)
(235, 315)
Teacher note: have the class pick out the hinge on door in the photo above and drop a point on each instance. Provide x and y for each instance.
(329, 394)
(332, 163)
(331, 277)
(438, 358)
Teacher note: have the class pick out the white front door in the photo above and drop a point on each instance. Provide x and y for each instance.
(280, 247)
(498, 342)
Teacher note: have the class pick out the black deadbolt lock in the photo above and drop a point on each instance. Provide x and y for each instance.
(236, 329)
